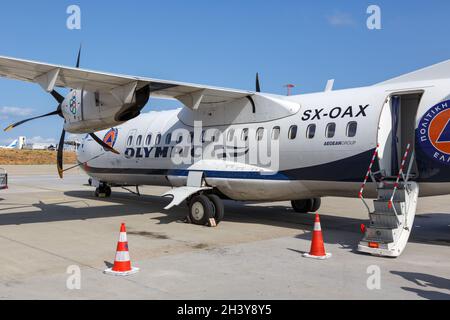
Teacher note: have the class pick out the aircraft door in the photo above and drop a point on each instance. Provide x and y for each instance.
(396, 130)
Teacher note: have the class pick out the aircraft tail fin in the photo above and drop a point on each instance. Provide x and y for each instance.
(13, 144)
(437, 71)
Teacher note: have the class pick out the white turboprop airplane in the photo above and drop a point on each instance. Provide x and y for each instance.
(253, 146)
(12, 145)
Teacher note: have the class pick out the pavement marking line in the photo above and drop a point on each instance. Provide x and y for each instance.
(38, 188)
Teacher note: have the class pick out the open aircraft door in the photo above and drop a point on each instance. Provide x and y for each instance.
(396, 130)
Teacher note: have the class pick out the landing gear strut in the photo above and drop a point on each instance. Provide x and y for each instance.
(306, 205)
(206, 209)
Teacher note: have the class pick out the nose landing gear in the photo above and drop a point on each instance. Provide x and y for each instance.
(103, 191)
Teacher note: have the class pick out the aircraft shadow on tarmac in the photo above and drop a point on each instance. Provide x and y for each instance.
(344, 231)
(426, 281)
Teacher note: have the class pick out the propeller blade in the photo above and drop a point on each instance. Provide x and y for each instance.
(54, 113)
(103, 144)
(258, 86)
(60, 155)
(79, 57)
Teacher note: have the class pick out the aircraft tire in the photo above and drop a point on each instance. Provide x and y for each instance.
(316, 205)
(200, 210)
(108, 191)
(302, 206)
(218, 207)
(103, 192)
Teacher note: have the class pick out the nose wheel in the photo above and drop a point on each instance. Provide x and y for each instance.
(206, 210)
(103, 192)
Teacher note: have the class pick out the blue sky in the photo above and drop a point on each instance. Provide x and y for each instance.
(221, 43)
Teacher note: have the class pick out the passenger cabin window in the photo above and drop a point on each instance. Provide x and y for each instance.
(130, 141)
(230, 135)
(168, 138)
(330, 130)
(293, 132)
(311, 131)
(158, 139)
(192, 136)
(352, 127)
(148, 140)
(139, 140)
(180, 139)
(244, 135)
(213, 135)
(259, 134)
(276, 133)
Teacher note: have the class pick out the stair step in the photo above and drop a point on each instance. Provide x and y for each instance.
(382, 206)
(380, 235)
(386, 194)
(380, 220)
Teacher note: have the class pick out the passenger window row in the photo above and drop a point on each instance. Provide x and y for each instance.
(330, 132)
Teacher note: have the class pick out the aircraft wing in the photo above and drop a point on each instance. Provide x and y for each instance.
(48, 76)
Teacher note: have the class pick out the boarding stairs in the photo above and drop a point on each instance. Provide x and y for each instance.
(392, 219)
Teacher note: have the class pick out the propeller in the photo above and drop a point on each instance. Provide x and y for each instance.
(60, 155)
(258, 85)
(58, 112)
(12, 126)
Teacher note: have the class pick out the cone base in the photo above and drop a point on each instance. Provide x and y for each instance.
(326, 256)
(111, 272)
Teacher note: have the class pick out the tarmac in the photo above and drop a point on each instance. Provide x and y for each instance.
(50, 227)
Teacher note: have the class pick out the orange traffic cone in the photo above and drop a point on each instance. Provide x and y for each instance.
(122, 264)
(317, 247)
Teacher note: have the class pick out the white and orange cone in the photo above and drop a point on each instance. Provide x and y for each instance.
(317, 246)
(122, 264)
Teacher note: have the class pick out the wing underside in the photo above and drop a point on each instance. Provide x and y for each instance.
(48, 76)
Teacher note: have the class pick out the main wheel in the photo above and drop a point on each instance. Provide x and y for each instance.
(303, 206)
(219, 209)
(316, 205)
(200, 210)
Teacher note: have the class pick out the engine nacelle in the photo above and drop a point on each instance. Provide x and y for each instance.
(87, 112)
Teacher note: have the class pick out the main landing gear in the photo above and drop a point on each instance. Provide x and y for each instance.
(306, 205)
(205, 209)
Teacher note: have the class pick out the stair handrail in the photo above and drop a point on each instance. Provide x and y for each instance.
(366, 178)
(400, 175)
(408, 175)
